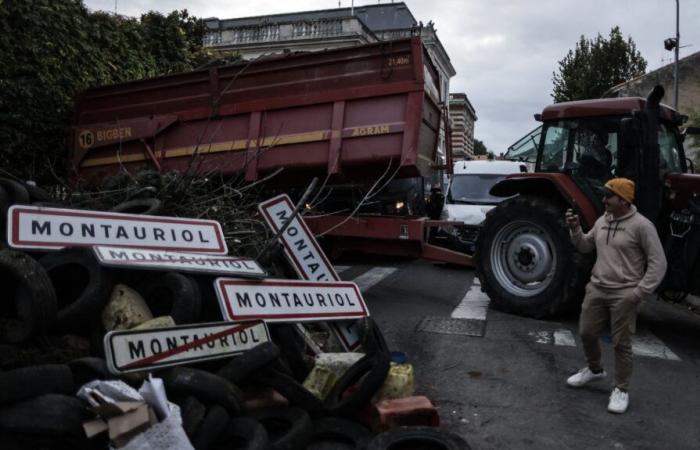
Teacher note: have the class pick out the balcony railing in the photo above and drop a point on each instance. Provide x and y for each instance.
(284, 31)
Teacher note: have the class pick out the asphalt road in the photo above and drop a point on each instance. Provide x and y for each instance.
(507, 389)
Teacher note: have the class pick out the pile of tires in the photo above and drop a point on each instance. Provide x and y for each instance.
(57, 307)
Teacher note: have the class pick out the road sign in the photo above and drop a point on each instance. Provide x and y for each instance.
(150, 349)
(33, 227)
(289, 300)
(136, 258)
(307, 257)
(300, 245)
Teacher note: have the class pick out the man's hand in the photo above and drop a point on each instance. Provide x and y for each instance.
(572, 219)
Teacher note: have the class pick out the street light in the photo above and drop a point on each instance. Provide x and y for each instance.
(674, 44)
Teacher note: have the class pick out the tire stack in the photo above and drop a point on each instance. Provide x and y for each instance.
(52, 323)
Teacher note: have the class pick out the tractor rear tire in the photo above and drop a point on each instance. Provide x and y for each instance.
(526, 262)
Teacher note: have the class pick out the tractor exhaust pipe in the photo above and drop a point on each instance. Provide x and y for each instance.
(655, 96)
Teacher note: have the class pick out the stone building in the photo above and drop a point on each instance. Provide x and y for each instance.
(273, 34)
(462, 118)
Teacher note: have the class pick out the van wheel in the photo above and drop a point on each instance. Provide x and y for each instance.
(525, 260)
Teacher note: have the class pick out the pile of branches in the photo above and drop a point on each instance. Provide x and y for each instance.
(230, 201)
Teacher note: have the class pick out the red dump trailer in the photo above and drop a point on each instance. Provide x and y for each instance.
(351, 114)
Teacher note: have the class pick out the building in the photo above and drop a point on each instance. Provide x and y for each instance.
(256, 36)
(462, 118)
(688, 91)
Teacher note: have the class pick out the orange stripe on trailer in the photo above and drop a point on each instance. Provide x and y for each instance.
(238, 145)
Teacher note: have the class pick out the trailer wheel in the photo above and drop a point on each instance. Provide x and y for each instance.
(525, 260)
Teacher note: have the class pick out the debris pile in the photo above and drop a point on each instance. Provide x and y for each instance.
(139, 346)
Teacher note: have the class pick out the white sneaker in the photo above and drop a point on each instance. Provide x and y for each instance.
(619, 400)
(584, 376)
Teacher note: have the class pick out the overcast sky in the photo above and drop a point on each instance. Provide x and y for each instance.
(504, 51)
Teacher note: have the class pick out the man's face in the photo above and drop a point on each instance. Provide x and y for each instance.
(613, 204)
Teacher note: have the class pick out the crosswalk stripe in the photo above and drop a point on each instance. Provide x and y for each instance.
(643, 344)
(372, 277)
(474, 305)
(646, 344)
(564, 337)
(339, 269)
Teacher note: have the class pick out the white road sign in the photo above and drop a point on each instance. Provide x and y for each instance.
(309, 260)
(306, 255)
(33, 227)
(136, 258)
(150, 349)
(288, 300)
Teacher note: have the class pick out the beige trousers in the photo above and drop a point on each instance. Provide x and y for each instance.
(617, 308)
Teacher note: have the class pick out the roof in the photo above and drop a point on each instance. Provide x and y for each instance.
(484, 167)
(600, 107)
(381, 17)
(690, 59)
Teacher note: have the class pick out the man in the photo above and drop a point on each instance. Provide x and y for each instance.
(630, 265)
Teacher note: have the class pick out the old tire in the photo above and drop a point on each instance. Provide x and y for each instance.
(145, 206)
(292, 348)
(367, 375)
(240, 367)
(293, 391)
(287, 428)
(372, 339)
(82, 286)
(173, 294)
(33, 381)
(243, 433)
(47, 415)
(525, 260)
(16, 191)
(192, 412)
(28, 304)
(417, 437)
(207, 387)
(331, 433)
(88, 369)
(212, 426)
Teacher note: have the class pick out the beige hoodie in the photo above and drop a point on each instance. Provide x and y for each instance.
(629, 252)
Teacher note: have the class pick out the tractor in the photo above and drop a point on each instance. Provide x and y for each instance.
(524, 258)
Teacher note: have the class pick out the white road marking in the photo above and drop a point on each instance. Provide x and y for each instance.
(372, 277)
(541, 337)
(474, 305)
(339, 269)
(646, 344)
(564, 337)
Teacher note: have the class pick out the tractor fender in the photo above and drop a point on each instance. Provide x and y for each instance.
(559, 187)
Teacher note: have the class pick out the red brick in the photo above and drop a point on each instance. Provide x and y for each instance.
(416, 410)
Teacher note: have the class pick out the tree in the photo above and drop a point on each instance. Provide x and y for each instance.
(479, 147)
(52, 49)
(596, 65)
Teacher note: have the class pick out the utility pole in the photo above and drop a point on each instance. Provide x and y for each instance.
(675, 66)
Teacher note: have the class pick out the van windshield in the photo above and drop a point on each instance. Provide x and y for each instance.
(474, 189)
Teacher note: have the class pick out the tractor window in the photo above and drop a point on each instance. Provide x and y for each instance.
(669, 156)
(586, 147)
(556, 138)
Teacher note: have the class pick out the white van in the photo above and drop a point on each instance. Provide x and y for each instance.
(468, 199)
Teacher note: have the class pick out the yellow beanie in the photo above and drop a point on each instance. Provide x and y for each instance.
(622, 187)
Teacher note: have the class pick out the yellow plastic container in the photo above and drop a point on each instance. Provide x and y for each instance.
(398, 383)
(320, 381)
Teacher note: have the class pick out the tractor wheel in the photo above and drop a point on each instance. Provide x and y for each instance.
(525, 260)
